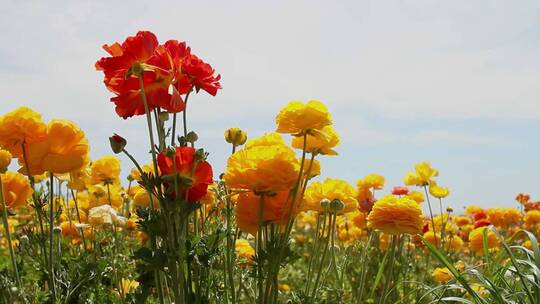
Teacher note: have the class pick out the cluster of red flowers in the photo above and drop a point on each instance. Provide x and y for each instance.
(168, 72)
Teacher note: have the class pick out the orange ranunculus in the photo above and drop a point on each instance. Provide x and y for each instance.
(16, 189)
(22, 125)
(64, 149)
(136, 52)
(275, 210)
(200, 172)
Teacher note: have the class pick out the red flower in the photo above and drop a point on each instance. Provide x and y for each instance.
(143, 50)
(400, 190)
(481, 223)
(199, 172)
(480, 215)
(201, 75)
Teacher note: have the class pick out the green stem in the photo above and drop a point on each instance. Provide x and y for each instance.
(8, 234)
(431, 215)
(51, 235)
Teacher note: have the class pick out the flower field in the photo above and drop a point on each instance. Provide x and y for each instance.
(271, 228)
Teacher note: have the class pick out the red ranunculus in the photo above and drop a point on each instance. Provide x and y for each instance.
(142, 49)
(201, 75)
(481, 223)
(199, 172)
(400, 190)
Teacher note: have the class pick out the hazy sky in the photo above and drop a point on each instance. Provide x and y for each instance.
(456, 83)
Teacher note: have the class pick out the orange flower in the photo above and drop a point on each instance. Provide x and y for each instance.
(21, 126)
(275, 210)
(200, 172)
(16, 188)
(64, 149)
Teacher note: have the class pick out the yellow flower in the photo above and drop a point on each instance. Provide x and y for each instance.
(476, 240)
(148, 169)
(284, 288)
(265, 164)
(454, 243)
(462, 220)
(298, 117)
(21, 125)
(16, 188)
(235, 136)
(5, 160)
(432, 237)
(371, 181)
(244, 249)
(315, 169)
(79, 179)
(412, 179)
(100, 195)
(105, 170)
(322, 143)
(441, 275)
(425, 172)
(396, 215)
(503, 217)
(126, 286)
(438, 191)
(141, 197)
(330, 189)
(416, 196)
(64, 149)
(532, 219)
(275, 210)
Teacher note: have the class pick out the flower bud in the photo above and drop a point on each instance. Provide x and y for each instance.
(163, 116)
(325, 203)
(235, 136)
(57, 230)
(192, 137)
(5, 160)
(449, 209)
(23, 240)
(336, 205)
(117, 143)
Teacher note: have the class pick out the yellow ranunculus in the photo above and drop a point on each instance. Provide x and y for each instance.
(411, 179)
(315, 168)
(5, 160)
(298, 117)
(275, 210)
(265, 164)
(105, 170)
(244, 249)
(454, 243)
(371, 181)
(532, 219)
(438, 191)
(148, 169)
(126, 286)
(16, 188)
(476, 240)
(416, 196)
(330, 189)
(425, 172)
(323, 143)
(79, 179)
(235, 136)
(396, 215)
(18, 126)
(441, 275)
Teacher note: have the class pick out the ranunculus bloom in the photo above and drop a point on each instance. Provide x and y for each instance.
(476, 240)
(396, 215)
(330, 189)
(400, 190)
(16, 189)
(323, 143)
(503, 217)
(201, 75)
(22, 125)
(425, 172)
(438, 191)
(275, 210)
(244, 249)
(64, 149)
(5, 160)
(441, 275)
(141, 50)
(265, 164)
(371, 181)
(105, 170)
(199, 172)
(104, 215)
(298, 117)
(532, 219)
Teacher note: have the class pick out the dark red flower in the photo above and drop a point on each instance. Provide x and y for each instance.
(200, 172)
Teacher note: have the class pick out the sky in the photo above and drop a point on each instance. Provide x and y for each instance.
(455, 83)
